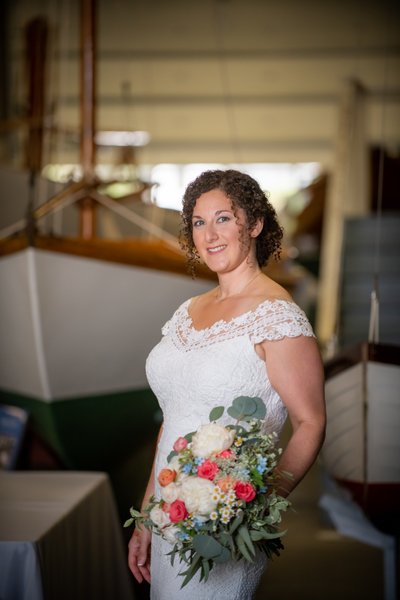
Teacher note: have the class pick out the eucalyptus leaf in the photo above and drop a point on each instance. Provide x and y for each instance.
(223, 557)
(244, 534)
(243, 549)
(238, 520)
(194, 567)
(189, 436)
(207, 546)
(257, 535)
(273, 535)
(242, 407)
(171, 455)
(261, 409)
(216, 413)
(206, 568)
(128, 523)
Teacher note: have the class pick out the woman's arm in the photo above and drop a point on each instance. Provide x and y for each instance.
(295, 371)
(139, 544)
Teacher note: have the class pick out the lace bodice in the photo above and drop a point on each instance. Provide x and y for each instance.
(270, 320)
(191, 371)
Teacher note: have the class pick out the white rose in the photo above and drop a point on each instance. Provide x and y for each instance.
(169, 534)
(176, 466)
(197, 494)
(159, 517)
(170, 492)
(210, 439)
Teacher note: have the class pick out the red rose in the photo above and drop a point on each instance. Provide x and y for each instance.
(177, 511)
(208, 470)
(245, 491)
(225, 454)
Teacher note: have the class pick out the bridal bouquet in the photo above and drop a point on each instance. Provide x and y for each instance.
(218, 496)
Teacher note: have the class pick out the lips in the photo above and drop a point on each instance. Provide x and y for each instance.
(216, 249)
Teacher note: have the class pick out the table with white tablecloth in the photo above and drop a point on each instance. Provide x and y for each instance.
(60, 538)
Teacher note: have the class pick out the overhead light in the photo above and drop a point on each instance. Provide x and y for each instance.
(122, 138)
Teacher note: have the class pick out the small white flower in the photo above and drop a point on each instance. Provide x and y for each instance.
(213, 515)
(231, 496)
(211, 439)
(225, 520)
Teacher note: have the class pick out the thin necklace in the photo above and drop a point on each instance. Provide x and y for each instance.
(241, 290)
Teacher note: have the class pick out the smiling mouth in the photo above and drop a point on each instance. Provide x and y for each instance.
(216, 249)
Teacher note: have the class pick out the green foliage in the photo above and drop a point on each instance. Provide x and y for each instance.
(245, 408)
(207, 546)
(216, 413)
(171, 455)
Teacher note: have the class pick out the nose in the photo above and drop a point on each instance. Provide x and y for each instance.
(210, 232)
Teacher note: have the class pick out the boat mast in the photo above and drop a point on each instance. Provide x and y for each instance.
(88, 110)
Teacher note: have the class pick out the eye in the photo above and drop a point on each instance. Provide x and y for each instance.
(223, 219)
(198, 222)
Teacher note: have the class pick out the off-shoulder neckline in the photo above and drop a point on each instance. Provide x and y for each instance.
(232, 321)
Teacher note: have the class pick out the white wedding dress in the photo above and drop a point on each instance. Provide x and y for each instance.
(192, 371)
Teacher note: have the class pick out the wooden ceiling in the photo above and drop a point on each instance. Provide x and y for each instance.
(217, 80)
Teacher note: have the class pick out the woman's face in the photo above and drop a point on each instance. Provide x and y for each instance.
(220, 235)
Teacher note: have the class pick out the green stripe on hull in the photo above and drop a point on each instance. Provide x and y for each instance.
(92, 432)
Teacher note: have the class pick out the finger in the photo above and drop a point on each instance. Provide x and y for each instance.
(145, 571)
(134, 547)
(132, 562)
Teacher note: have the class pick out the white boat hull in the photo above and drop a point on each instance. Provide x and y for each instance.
(362, 445)
(74, 326)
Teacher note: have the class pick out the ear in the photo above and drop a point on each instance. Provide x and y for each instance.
(257, 228)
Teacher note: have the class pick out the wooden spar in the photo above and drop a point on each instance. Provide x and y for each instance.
(36, 34)
(88, 108)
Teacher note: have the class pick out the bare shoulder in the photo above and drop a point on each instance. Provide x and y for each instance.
(271, 290)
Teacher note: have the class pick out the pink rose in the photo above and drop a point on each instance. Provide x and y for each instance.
(225, 454)
(177, 511)
(245, 491)
(208, 470)
(180, 444)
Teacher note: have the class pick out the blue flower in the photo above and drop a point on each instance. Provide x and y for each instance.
(187, 468)
(243, 473)
(261, 464)
(199, 460)
(197, 523)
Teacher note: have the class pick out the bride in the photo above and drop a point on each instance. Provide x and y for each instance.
(245, 337)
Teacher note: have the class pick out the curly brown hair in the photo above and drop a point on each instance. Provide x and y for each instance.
(244, 192)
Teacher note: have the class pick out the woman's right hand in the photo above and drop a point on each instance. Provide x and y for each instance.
(139, 554)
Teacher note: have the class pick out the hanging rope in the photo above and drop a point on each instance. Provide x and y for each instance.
(373, 335)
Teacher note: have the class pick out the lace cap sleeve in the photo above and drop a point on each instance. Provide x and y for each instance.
(168, 326)
(279, 319)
